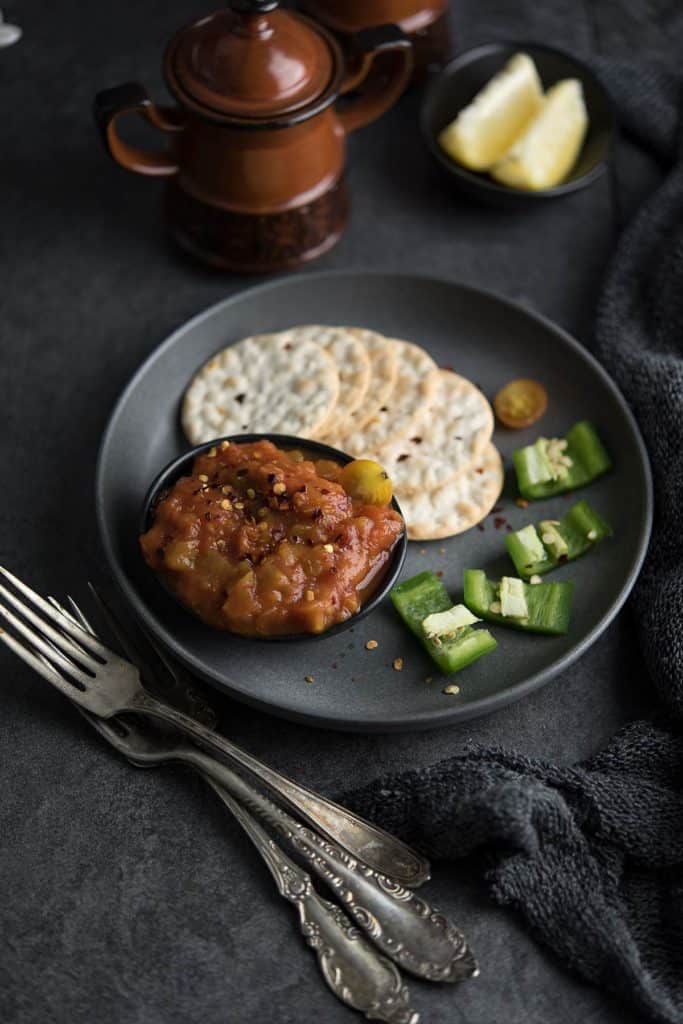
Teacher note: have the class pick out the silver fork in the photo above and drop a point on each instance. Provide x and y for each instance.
(401, 924)
(353, 970)
(123, 691)
(383, 914)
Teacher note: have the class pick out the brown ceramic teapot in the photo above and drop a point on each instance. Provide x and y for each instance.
(426, 22)
(256, 148)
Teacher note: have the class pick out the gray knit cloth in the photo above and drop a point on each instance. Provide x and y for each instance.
(592, 856)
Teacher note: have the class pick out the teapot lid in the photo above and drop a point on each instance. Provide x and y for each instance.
(250, 61)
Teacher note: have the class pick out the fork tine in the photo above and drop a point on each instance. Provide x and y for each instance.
(82, 622)
(113, 729)
(154, 665)
(129, 647)
(76, 615)
(45, 647)
(39, 665)
(66, 645)
(80, 617)
(75, 631)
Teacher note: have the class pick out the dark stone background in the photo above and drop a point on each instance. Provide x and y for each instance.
(128, 897)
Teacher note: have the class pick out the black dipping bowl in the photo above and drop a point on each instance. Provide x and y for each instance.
(313, 449)
(461, 80)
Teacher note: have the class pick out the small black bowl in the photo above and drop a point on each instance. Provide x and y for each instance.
(461, 80)
(313, 449)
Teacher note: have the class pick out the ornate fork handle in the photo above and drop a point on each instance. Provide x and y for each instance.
(398, 922)
(384, 852)
(353, 970)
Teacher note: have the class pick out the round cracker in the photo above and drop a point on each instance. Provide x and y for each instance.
(383, 373)
(458, 505)
(353, 366)
(449, 437)
(269, 383)
(414, 387)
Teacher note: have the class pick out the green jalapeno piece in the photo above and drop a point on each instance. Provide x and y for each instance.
(546, 607)
(425, 595)
(555, 465)
(536, 550)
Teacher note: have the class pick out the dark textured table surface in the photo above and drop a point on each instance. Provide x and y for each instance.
(129, 897)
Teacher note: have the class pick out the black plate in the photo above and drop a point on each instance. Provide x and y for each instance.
(462, 79)
(489, 340)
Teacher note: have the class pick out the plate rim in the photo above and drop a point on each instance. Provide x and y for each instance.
(406, 721)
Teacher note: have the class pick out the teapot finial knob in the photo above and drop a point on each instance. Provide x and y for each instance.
(253, 6)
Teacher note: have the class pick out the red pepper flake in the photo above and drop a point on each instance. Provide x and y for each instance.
(521, 503)
(509, 528)
(568, 496)
(447, 366)
(496, 510)
(480, 526)
(440, 573)
(499, 521)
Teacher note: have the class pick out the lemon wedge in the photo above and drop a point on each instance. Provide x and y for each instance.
(484, 130)
(547, 150)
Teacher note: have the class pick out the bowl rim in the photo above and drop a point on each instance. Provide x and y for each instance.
(479, 180)
(170, 474)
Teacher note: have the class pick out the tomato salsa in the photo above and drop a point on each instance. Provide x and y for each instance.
(264, 542)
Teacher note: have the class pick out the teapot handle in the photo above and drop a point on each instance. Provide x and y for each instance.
(382, 91)
(110, 104)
